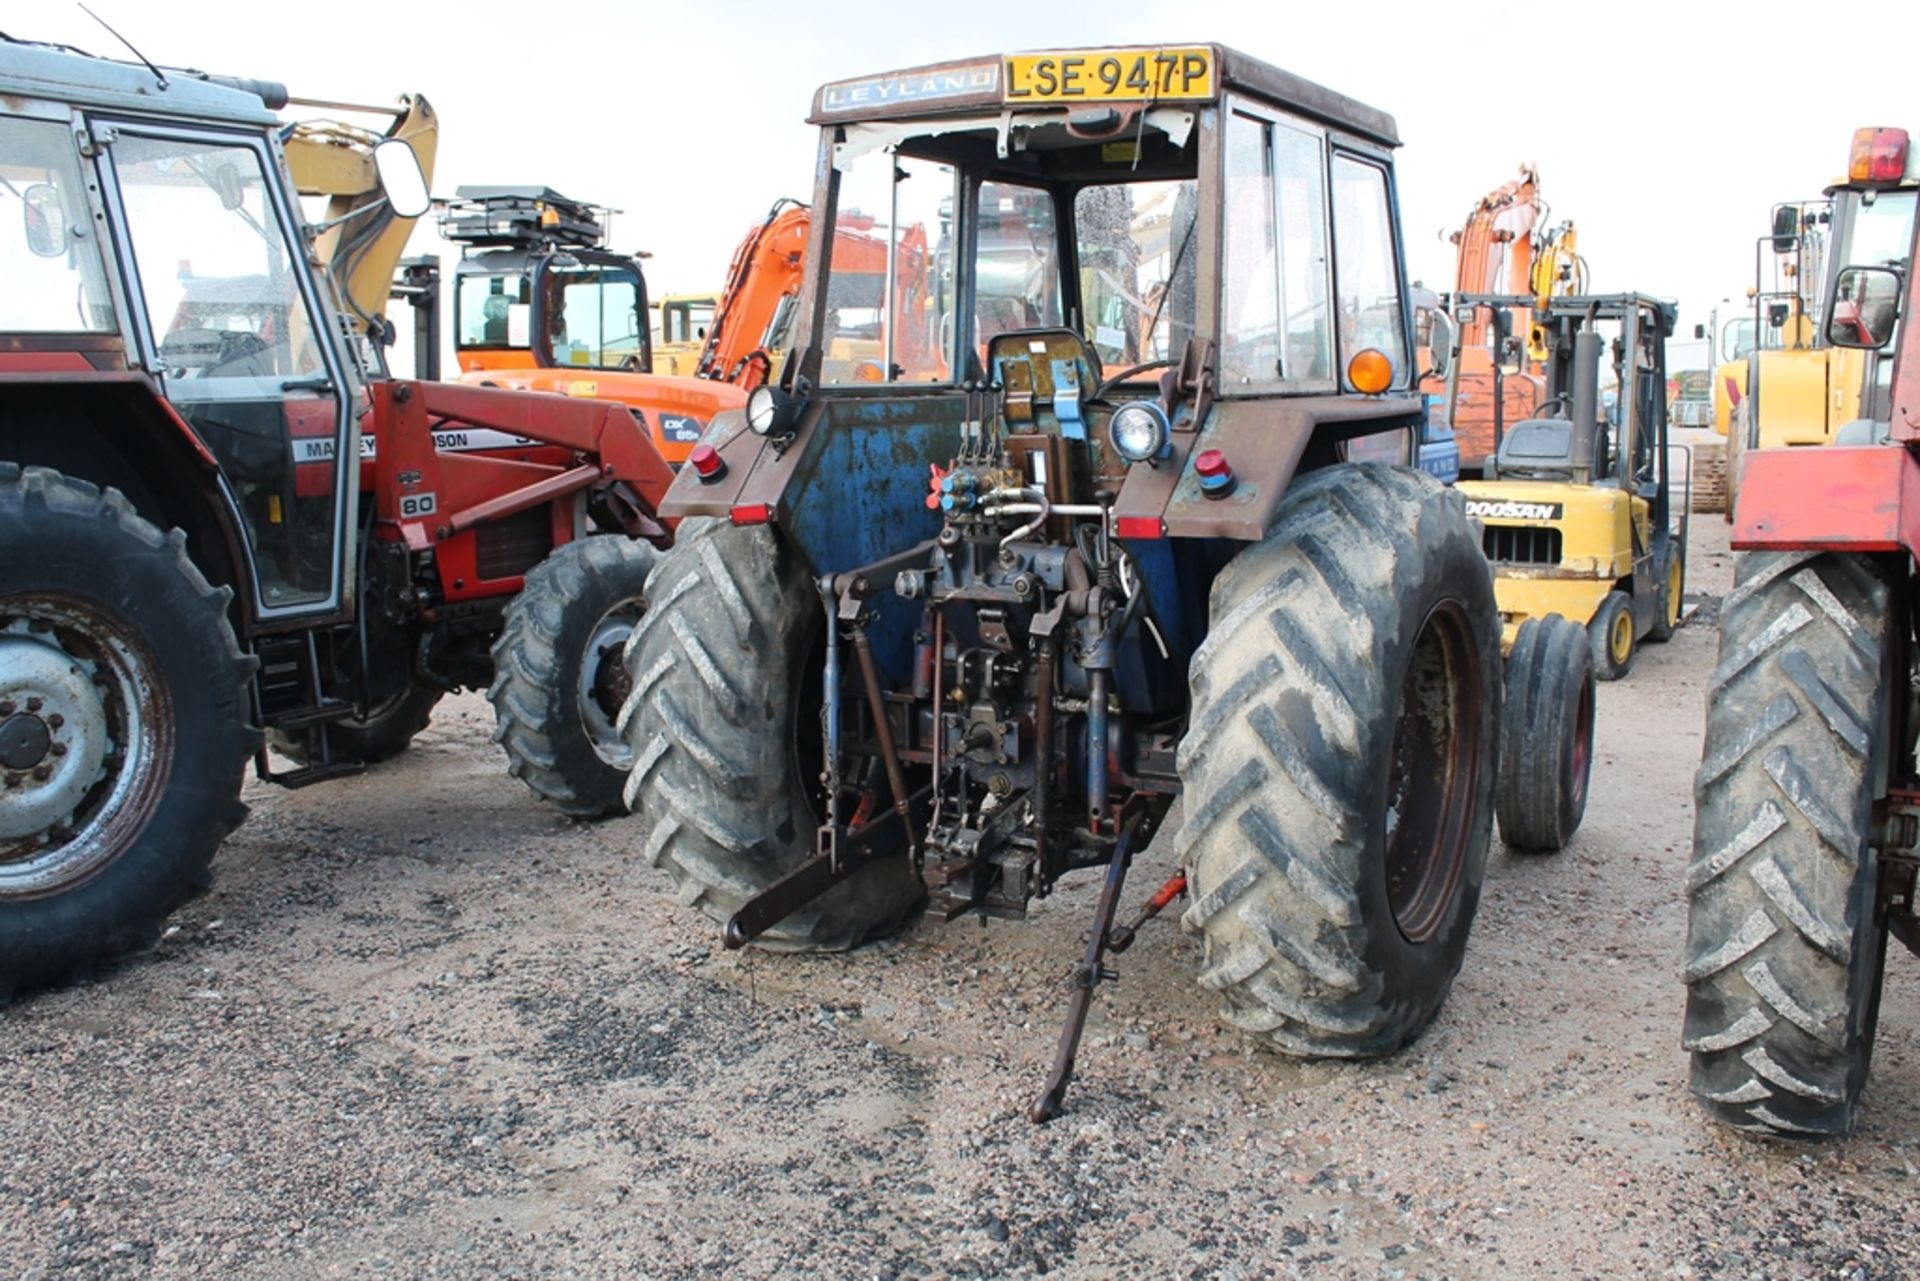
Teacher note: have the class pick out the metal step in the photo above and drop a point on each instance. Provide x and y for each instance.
(322, 713)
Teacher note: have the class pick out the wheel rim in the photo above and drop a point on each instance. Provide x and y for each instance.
(1431, 774)
(1620, 638)
(1583, 745)
(86, 737)
(1673, 594)
(605, 682)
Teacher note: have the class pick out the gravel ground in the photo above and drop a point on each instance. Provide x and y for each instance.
(423, 1029)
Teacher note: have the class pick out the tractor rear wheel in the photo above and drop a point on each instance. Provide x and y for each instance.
(1546, 736)
(560, 675)
(1610, 635)
(1338, 765)
(123, 726)
(1785, 943)
(724, 724)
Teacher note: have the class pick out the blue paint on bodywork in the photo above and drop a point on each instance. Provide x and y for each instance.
(859, 493)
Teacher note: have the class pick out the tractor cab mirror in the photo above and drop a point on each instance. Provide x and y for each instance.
(1777, 315)
(401, 177)
(1699, 331)
(46, 221)
(1440, 339)
(1786, 229)
(1866, 303)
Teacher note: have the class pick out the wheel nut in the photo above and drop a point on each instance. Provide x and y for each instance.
(14, 780)
(42, 773)
(35, 704)
(55, 721)
(57, 749)
(6, 708)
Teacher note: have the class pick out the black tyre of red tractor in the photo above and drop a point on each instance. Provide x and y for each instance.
(1610, 636)
(1785, 942)
(1546, 736)
(724, 723)
(1338, 766)
(560, 676)
(387, 729)
(123, 727)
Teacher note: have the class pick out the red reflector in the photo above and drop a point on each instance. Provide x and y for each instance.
(751, 514)
(707, 463)
(1878, 155)
(1137, 526)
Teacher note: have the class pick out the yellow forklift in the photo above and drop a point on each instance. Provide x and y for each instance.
(1577, 513)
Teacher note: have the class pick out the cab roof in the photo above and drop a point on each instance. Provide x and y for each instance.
(62, 74)
(970, 84)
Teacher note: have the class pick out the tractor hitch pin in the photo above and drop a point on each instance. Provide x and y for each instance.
(1121, 937)
(1091, 973)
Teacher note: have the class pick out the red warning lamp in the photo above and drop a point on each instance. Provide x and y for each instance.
(707, 464)
(1877, 155)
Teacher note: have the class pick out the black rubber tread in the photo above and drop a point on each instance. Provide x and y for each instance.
(717, 668)
(1784, 948)
(1542, 792)
(91, 546)
(536, 663)
(380, 737)
(1600, 626)
(1662, 629)
(1284, 766)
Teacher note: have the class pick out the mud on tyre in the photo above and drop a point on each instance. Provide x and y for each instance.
(123, 727)
(1338, 767)
(724, 725)
(1784, 945)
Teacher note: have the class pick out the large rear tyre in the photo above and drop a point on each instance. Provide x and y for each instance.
(123, 727)
(560, 675)
(1338, 767)
(1546, 736)
(724, 723)
(1785, 944)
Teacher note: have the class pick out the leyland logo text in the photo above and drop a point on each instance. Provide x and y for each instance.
(1511, 509)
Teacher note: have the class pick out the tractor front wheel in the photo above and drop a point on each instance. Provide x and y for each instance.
(560, 676)
(1338, 765)
(123, 726)
(724, 725)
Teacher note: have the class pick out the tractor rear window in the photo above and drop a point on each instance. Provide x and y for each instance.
(1137, 274)
(49, 257)
(889, 302)
(1365, 266)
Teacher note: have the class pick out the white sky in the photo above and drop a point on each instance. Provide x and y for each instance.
(1665, 131)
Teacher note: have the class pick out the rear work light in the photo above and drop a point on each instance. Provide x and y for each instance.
(1878, 155)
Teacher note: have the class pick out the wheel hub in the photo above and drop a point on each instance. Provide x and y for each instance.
(24, 740)
(54, 741)
(605, 685)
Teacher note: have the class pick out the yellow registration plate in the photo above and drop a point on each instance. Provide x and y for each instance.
(1110, 75)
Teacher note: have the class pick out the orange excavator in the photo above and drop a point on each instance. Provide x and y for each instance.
(1507, 251)
(751, 324)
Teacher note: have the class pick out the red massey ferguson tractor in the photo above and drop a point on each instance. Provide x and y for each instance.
(1808, 804)
(214, 521)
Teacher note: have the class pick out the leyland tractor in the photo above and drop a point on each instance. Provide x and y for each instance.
(1806, 834)
(1124, 515)
(219, 529)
